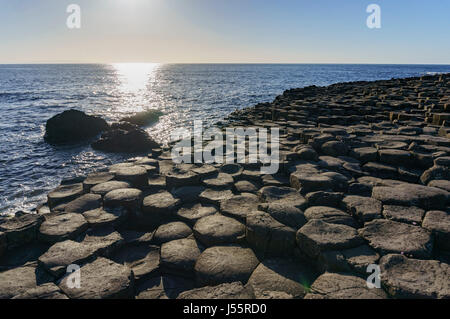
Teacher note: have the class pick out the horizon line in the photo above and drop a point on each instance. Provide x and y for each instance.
(200, 63)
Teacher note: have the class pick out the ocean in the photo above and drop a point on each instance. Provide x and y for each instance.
(31, 94)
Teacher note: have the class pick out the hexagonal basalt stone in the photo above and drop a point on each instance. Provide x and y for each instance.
(365, 154)
(307, 182)
(233, 169)
(286, 214)
(218, 229)
(101, 279)
(84, 203)
(191, 213)
(104, 188)
(179, 257)
(290, 195)
(143, 259)
(215, 197)
(96, 178)
(180, 178)
(280, 275)
(330, 215)
(438, 222)
(103, 241)
(62, 254)
(62, 226)
(130, 198)
(20, 230)
(318, 236)
(343, 286)
(221, 181)
(240, 206)
(45, 291)
(19, 280)
(160, 208)
(412, 195)
(387, 236)
(268, 237)
(395, 157)
(246, 187)
(412, 278)
(204, 170)
(64, 193)
(233, 290)
(171, 231)
(188, 194)
(225, 264)
(411, 215)
(439, 183)
(164, 287)
(363, 208)
(105, 217)
(135, 175)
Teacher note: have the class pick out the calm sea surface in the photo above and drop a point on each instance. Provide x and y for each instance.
(30, 94)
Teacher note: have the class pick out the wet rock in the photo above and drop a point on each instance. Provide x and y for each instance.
(233, 290)
(135, 175)
(125, 138)
(171, 231)
(19, 230)
(322, 198)
(179, 256)
(45, 291)
(130, 198)
(363, 208)
(268, 237)
(164, 287)
(412, 278)
(386, 236)
(101, 279)
(318, 236)
(218, 229)
(240, 206)
(84, 203)
(215, 197)
(63, 226)
(104, 188)
(286, 214)
(330, 215)
(95, 179)
(411, 215)
(143, 118)
(142, 259)
(438, 222)
(217, 265)
(280, 275)
(64, 193)
(343, 286)
(73, 126)
(191, 213)
(412, 195)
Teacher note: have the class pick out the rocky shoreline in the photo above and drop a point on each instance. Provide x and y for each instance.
(364, 180)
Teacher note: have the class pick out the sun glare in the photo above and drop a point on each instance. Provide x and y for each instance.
(134, 77)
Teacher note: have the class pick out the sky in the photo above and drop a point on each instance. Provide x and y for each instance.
(225, 31)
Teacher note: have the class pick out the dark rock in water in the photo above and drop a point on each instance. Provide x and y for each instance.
(125, 138)
(73, 126)
(143, 118)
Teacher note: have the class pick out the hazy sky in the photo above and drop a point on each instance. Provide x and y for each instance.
(278, 31)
